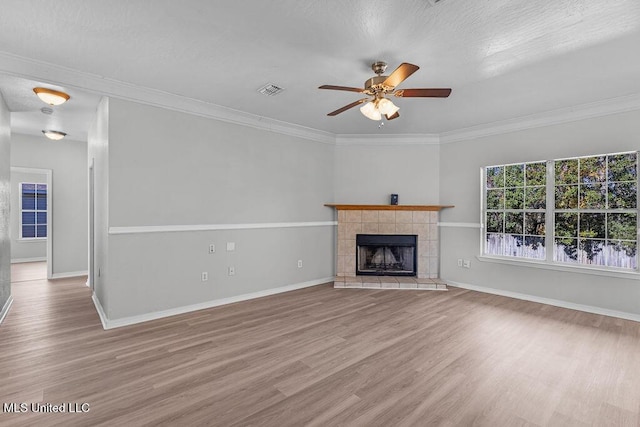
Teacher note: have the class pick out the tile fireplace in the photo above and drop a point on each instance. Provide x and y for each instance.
(388, 246)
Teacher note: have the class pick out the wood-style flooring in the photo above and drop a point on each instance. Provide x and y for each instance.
(320, 357)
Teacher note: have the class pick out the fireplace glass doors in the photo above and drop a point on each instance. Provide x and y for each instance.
(386, 255)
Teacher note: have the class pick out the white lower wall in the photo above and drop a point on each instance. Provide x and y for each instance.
(165, 272)
(460, 185)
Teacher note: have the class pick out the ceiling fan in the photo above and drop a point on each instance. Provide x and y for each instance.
(379, 86)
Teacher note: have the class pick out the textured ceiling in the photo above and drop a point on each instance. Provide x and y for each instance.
(503, 58)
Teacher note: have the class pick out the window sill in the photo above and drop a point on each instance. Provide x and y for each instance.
(32, 239)
(622, 274)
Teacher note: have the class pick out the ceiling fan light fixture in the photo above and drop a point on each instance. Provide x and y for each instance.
(50, 96)
(55, 135)
(386, 107)
(370, 111)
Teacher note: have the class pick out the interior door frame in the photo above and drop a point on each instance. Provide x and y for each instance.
(90, 275)
(49, 174)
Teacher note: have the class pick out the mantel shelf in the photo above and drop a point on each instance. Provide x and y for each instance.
(387, 207)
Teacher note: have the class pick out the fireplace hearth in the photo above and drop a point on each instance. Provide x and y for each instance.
(386, 255)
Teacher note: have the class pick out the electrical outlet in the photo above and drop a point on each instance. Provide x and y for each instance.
(212, 248)
(232, 271)
(466, 263)
(231, 246)
(459, 262)
(299, 263)
(205, 276)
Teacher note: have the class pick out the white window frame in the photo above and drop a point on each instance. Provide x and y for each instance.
(550, 211)
(31, 239)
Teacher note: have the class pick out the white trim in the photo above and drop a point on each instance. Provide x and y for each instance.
(22, 260)
(378, 288)
(5, 309)
(22, 169)
(20, 66)
(579, 268)
(208, 227)
(69, 274)
(605, 107)
(50, 233)
(100, 310)
(31, 239)
(460, 224)
(387, 140)
(557, 303)
(23, 67)
(132, 320)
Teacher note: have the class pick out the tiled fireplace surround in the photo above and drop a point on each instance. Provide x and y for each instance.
(421, 221)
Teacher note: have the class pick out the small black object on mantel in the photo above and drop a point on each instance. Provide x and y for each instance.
(394, 199)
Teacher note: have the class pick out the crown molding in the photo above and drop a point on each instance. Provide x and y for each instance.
(19, 66)
(590, 110)
(32, 69)
(387, 140)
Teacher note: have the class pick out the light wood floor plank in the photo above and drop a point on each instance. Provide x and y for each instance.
(319, 356)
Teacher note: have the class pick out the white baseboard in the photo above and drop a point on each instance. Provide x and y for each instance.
(69, 274)
(5, 309)
(21, 260)
(548, 301)
(100, 310)
(132, 320)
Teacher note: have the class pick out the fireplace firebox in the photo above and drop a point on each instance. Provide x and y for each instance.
(386, 255)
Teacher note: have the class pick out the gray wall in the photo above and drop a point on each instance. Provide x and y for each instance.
(368, 174)
(5, 204)
(98, 155)
(23, 250)
(168, 168)
(68, 161)
(460, 165)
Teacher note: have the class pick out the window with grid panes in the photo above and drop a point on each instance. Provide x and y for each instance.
(589, 205)
(33, 210)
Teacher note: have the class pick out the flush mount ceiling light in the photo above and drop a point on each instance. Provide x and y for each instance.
(56, 135)
(50, 96)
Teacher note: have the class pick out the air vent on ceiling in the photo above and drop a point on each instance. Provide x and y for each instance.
(46, 110)
(270, 90)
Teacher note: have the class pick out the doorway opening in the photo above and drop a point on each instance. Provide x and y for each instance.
(31, 216)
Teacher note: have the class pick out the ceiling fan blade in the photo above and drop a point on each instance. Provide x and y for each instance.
(400, 74)
(350, 89)
(424, 93)
(346, 107)
(393, 116)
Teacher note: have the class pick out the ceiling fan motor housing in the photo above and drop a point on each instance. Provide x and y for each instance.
(374, 85)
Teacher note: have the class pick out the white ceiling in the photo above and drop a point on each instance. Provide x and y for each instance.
(504, 59)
